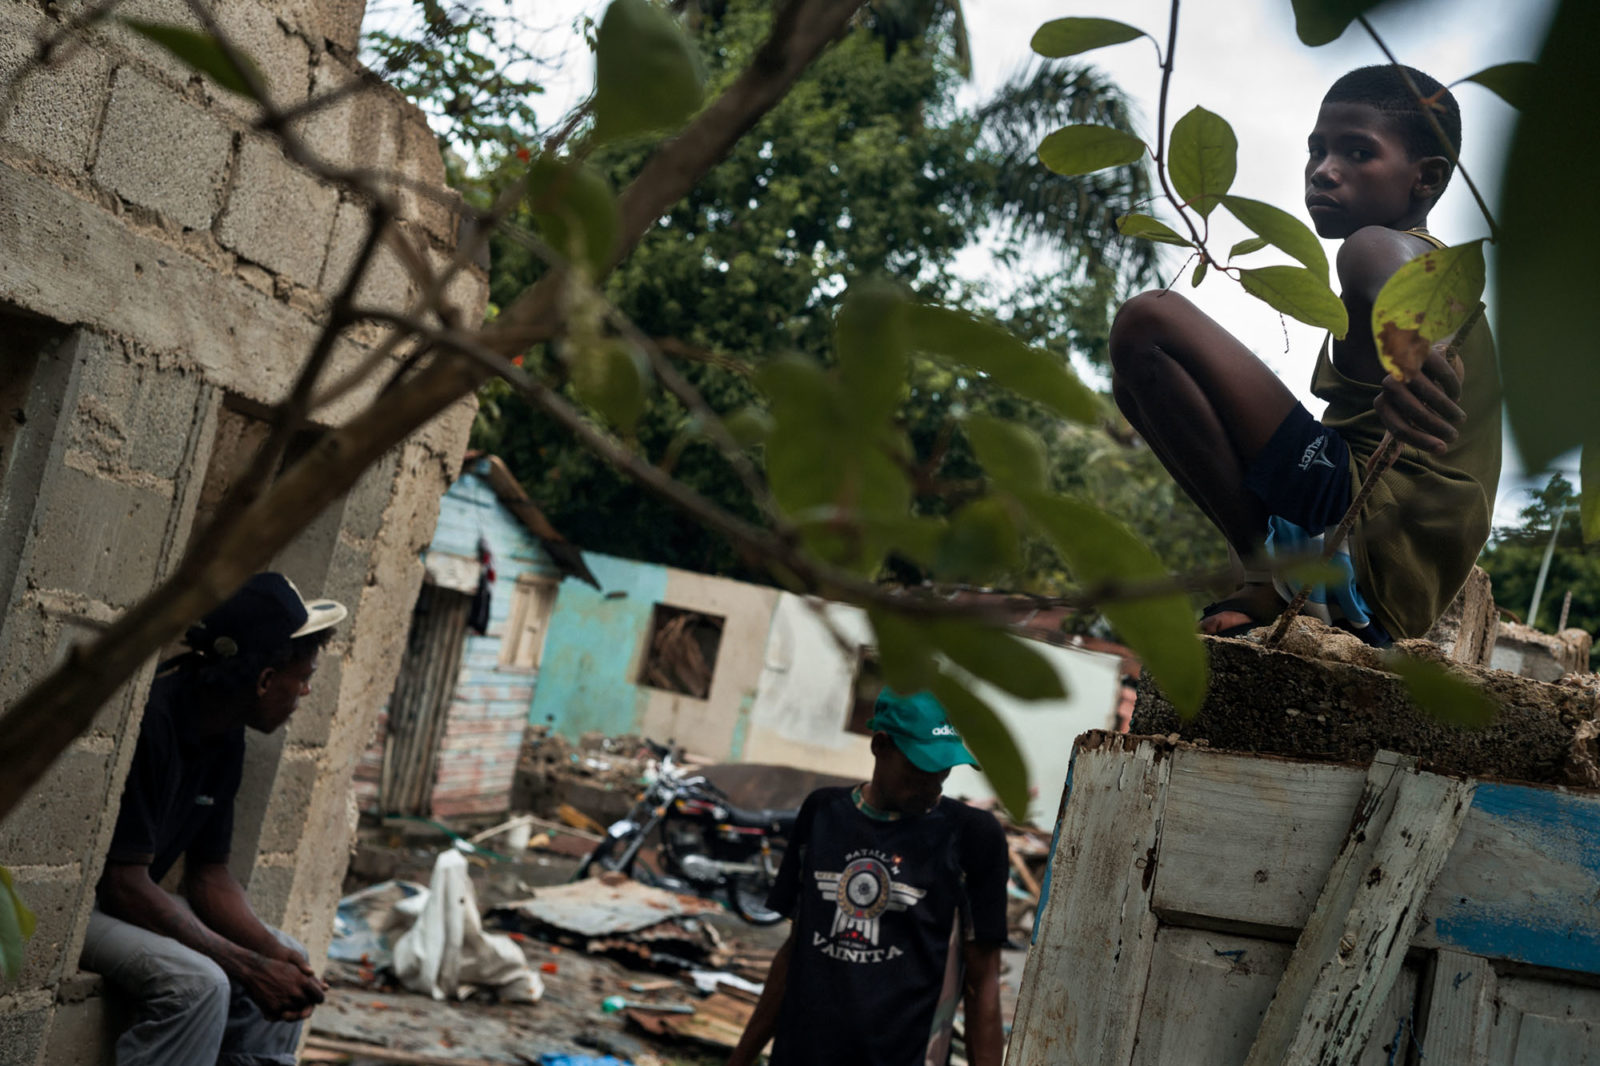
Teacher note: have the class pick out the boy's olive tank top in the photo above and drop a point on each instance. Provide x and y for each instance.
(1430, 515)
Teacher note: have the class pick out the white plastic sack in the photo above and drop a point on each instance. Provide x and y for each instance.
(447, 952)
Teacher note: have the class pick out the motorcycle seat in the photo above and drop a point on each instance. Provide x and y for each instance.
(774, 820)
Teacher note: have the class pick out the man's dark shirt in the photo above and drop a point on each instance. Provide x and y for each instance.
(180, 788)
(881, 912)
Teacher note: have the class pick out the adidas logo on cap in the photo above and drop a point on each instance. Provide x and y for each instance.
(944, 731)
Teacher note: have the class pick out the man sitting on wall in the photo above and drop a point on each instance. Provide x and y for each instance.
(211, 983)
(898, 897)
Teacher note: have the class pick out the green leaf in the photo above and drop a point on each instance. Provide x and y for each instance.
(1005, 661)
(1199, 274)
(1150, 229)
(1060, 38)
(869, 335)
(1011, 453)
(1280, 228)
(201, 52)
(1085, 149)
(647, 76)
(1589, 492)
(1443, 695)
(574, 211)
(990, 742)
(1298, 293)
(1544, 292)
(610, 377)
(1099, 549)
(17, 923)
(748, 426)
(1511, 82)
(905, 654)
(1041, 376)
(1202, 159)
(1320, 21)
(980, 545)
(1425, 301)
(1248, 245)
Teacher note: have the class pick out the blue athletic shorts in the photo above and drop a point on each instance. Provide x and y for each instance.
(1303, 474)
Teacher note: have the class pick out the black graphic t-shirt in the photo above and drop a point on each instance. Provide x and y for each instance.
(881, 911)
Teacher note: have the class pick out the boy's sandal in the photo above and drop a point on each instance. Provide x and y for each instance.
(1249, 604)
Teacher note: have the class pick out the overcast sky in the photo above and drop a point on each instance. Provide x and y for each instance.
(1242, 60)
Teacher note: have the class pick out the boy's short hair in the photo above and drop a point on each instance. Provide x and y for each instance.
(1382, 87)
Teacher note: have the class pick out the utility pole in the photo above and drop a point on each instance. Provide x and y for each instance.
(1544, 571)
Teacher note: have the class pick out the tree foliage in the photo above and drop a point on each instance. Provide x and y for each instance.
(1514, 556)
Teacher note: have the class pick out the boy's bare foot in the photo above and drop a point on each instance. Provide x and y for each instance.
(1250, 606)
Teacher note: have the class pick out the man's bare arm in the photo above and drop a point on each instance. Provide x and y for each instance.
(986, 1043)
(282, 989)
(764, 1019)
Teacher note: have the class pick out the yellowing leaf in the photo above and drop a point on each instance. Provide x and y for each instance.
(199, 51)
(1425, 301)
(989, 741)
(1086, 149)
(1282, 229)
(1041, 376)
(1443, 695)
(647, 76)
(1202, 158)
(1300, 294)
(1150, 229)
(1060, 38)
(1098, 550)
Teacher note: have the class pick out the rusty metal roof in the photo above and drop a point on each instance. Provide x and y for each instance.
(594, 908)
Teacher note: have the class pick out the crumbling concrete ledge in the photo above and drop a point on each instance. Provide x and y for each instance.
(1294, 704)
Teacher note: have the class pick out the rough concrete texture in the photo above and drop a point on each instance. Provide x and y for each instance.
(132, 417)
(120, 40)
(360, 128)
(160, 151)
(1337, 705)
(1544, 656)
(283, 59)
(254, 224)
(80, 1033)
(1468, 628)
(53, 894)
(59, 114)
(24, 1029)
(60, 806)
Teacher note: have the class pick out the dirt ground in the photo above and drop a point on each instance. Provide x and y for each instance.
(568, 1019)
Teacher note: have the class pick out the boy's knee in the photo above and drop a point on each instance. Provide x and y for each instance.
(198, 988)
(1145, 321)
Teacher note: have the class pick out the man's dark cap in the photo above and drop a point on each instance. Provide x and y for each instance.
(263, 616)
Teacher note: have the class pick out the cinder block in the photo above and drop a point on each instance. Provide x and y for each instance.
(24, 1030)
(278, 215)
(167, 12)
(54, 903)
(162, 152)
(269, 889)
(1468, 628)
(283, 59)
(81, 1033)
(61, 816)
(285, 821)
(132, 413)
(364, 507)
(387, 285)
(312, 722)
(1521, 649)
(60, 105)
(421, 161)
(97, 537)
(359, 129)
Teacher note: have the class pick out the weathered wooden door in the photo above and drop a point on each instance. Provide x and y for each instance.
(420, 706)
(1208, 909)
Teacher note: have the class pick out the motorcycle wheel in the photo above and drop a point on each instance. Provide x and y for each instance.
(747, 893)
(603, 858)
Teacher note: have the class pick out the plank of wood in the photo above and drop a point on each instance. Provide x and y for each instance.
(379, 1053)
(1248, 840)
(1030, 882)
(1084, 981)
(1353, 946)
(1544, 1023)
(1460, 1008)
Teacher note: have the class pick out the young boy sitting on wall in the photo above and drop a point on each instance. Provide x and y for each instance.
(1253, 458)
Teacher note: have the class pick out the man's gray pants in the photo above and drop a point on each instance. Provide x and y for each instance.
(187, 1012)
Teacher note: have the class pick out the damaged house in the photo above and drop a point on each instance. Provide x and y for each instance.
(163, 273)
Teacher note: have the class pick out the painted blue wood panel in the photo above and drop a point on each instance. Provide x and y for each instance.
(586, 682)
(1523, 882)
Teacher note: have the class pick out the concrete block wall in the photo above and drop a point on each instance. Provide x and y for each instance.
(164, 265)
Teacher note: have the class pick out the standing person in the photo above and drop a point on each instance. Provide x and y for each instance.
(210, 982)
(1254, 459)
(898, 901)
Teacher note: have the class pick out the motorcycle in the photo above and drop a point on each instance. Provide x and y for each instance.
(708, 846)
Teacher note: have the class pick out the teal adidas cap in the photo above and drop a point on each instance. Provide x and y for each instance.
(920, 728)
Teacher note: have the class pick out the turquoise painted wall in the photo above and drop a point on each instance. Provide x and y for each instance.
(586, 681)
